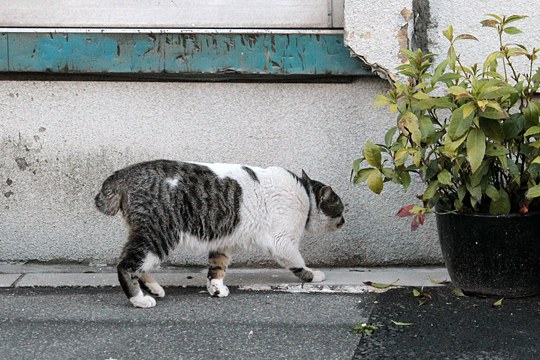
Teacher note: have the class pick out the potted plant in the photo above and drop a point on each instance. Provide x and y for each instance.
(471, 134)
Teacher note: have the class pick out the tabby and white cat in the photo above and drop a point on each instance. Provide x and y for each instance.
(217, 207)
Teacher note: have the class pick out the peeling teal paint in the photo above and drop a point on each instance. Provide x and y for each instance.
(3, 52)
(97, 53)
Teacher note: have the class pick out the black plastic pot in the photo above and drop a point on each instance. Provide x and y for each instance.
(492, 255)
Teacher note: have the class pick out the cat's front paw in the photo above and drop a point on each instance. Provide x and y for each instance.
(155, 289)
(217, 288)
(143, 301)
(318, 276)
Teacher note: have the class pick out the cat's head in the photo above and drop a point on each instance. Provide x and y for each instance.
(326, 213)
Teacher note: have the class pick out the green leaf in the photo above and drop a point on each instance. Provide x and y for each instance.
(496, 150)
(490, 59)
(372, 153)
(434, 103)
(421, 96)
(362, 175)
(389, 136)
(533, 192)
(478, 175)
(513, 126)
(513, 18)
(492, 192)
(492, 128)
(405, 178)
(497, 303)
(511, 30)
(401, 156)
(382, 100)
(495, 16)
(356, 165)
(465, 37)
(450, 146)
(501, 206)
(380, 285)
(533, 130)
(409, 121)
(364, 329)
(430, 190)
(416, 293)
(532, 114)
(449, 33)
(445, 177)
(461, 120)
(375, 181)
(449, 77)
(475, 191)
(399, 323)
(457, 90)
(476, 148)
(427, 129)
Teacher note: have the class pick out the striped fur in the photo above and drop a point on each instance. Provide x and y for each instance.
(216, 207)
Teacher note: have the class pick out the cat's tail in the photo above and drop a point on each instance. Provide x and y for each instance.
(109, 199)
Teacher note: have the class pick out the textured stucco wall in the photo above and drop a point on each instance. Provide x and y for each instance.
(376, 30)
(465, 17)
(59, 140)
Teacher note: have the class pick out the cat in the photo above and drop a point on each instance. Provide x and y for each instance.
(216, 207)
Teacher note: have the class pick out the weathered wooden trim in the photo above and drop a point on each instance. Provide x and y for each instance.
(298, 14)
(182, 54)
(3, 52)
(168, 31)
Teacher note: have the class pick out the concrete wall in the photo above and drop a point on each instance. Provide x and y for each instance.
(60, 140)
(377, 30)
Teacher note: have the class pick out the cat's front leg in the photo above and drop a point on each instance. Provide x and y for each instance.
(287, 254)
(218, 261)
(308, 275)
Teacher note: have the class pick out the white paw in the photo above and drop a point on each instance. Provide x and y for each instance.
(318, 276)
(216, 288)
(155, 289)
(143, 301)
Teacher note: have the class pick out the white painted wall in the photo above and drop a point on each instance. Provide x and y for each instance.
(69, 136)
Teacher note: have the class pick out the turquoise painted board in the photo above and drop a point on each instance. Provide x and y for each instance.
(273, 54)
(3, 52)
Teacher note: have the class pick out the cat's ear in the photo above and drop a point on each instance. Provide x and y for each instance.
(305, 177)
(326, 193)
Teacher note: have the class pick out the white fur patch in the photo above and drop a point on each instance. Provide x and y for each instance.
(143, 301)
(217, 288)
(173, 182)
(150, 262)
(318, 276)
(155, 289)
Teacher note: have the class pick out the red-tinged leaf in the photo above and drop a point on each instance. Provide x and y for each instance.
(489, 23)
(414, 223)
(405, 211)
(421, 218)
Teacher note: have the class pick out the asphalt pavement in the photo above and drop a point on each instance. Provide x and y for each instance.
(71, 312)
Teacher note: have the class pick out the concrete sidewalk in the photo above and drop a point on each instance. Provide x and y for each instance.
(337, 279)
(73, 311)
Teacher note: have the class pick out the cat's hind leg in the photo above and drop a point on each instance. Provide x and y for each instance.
(136, 261)
(218, 261)
(287, 254)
